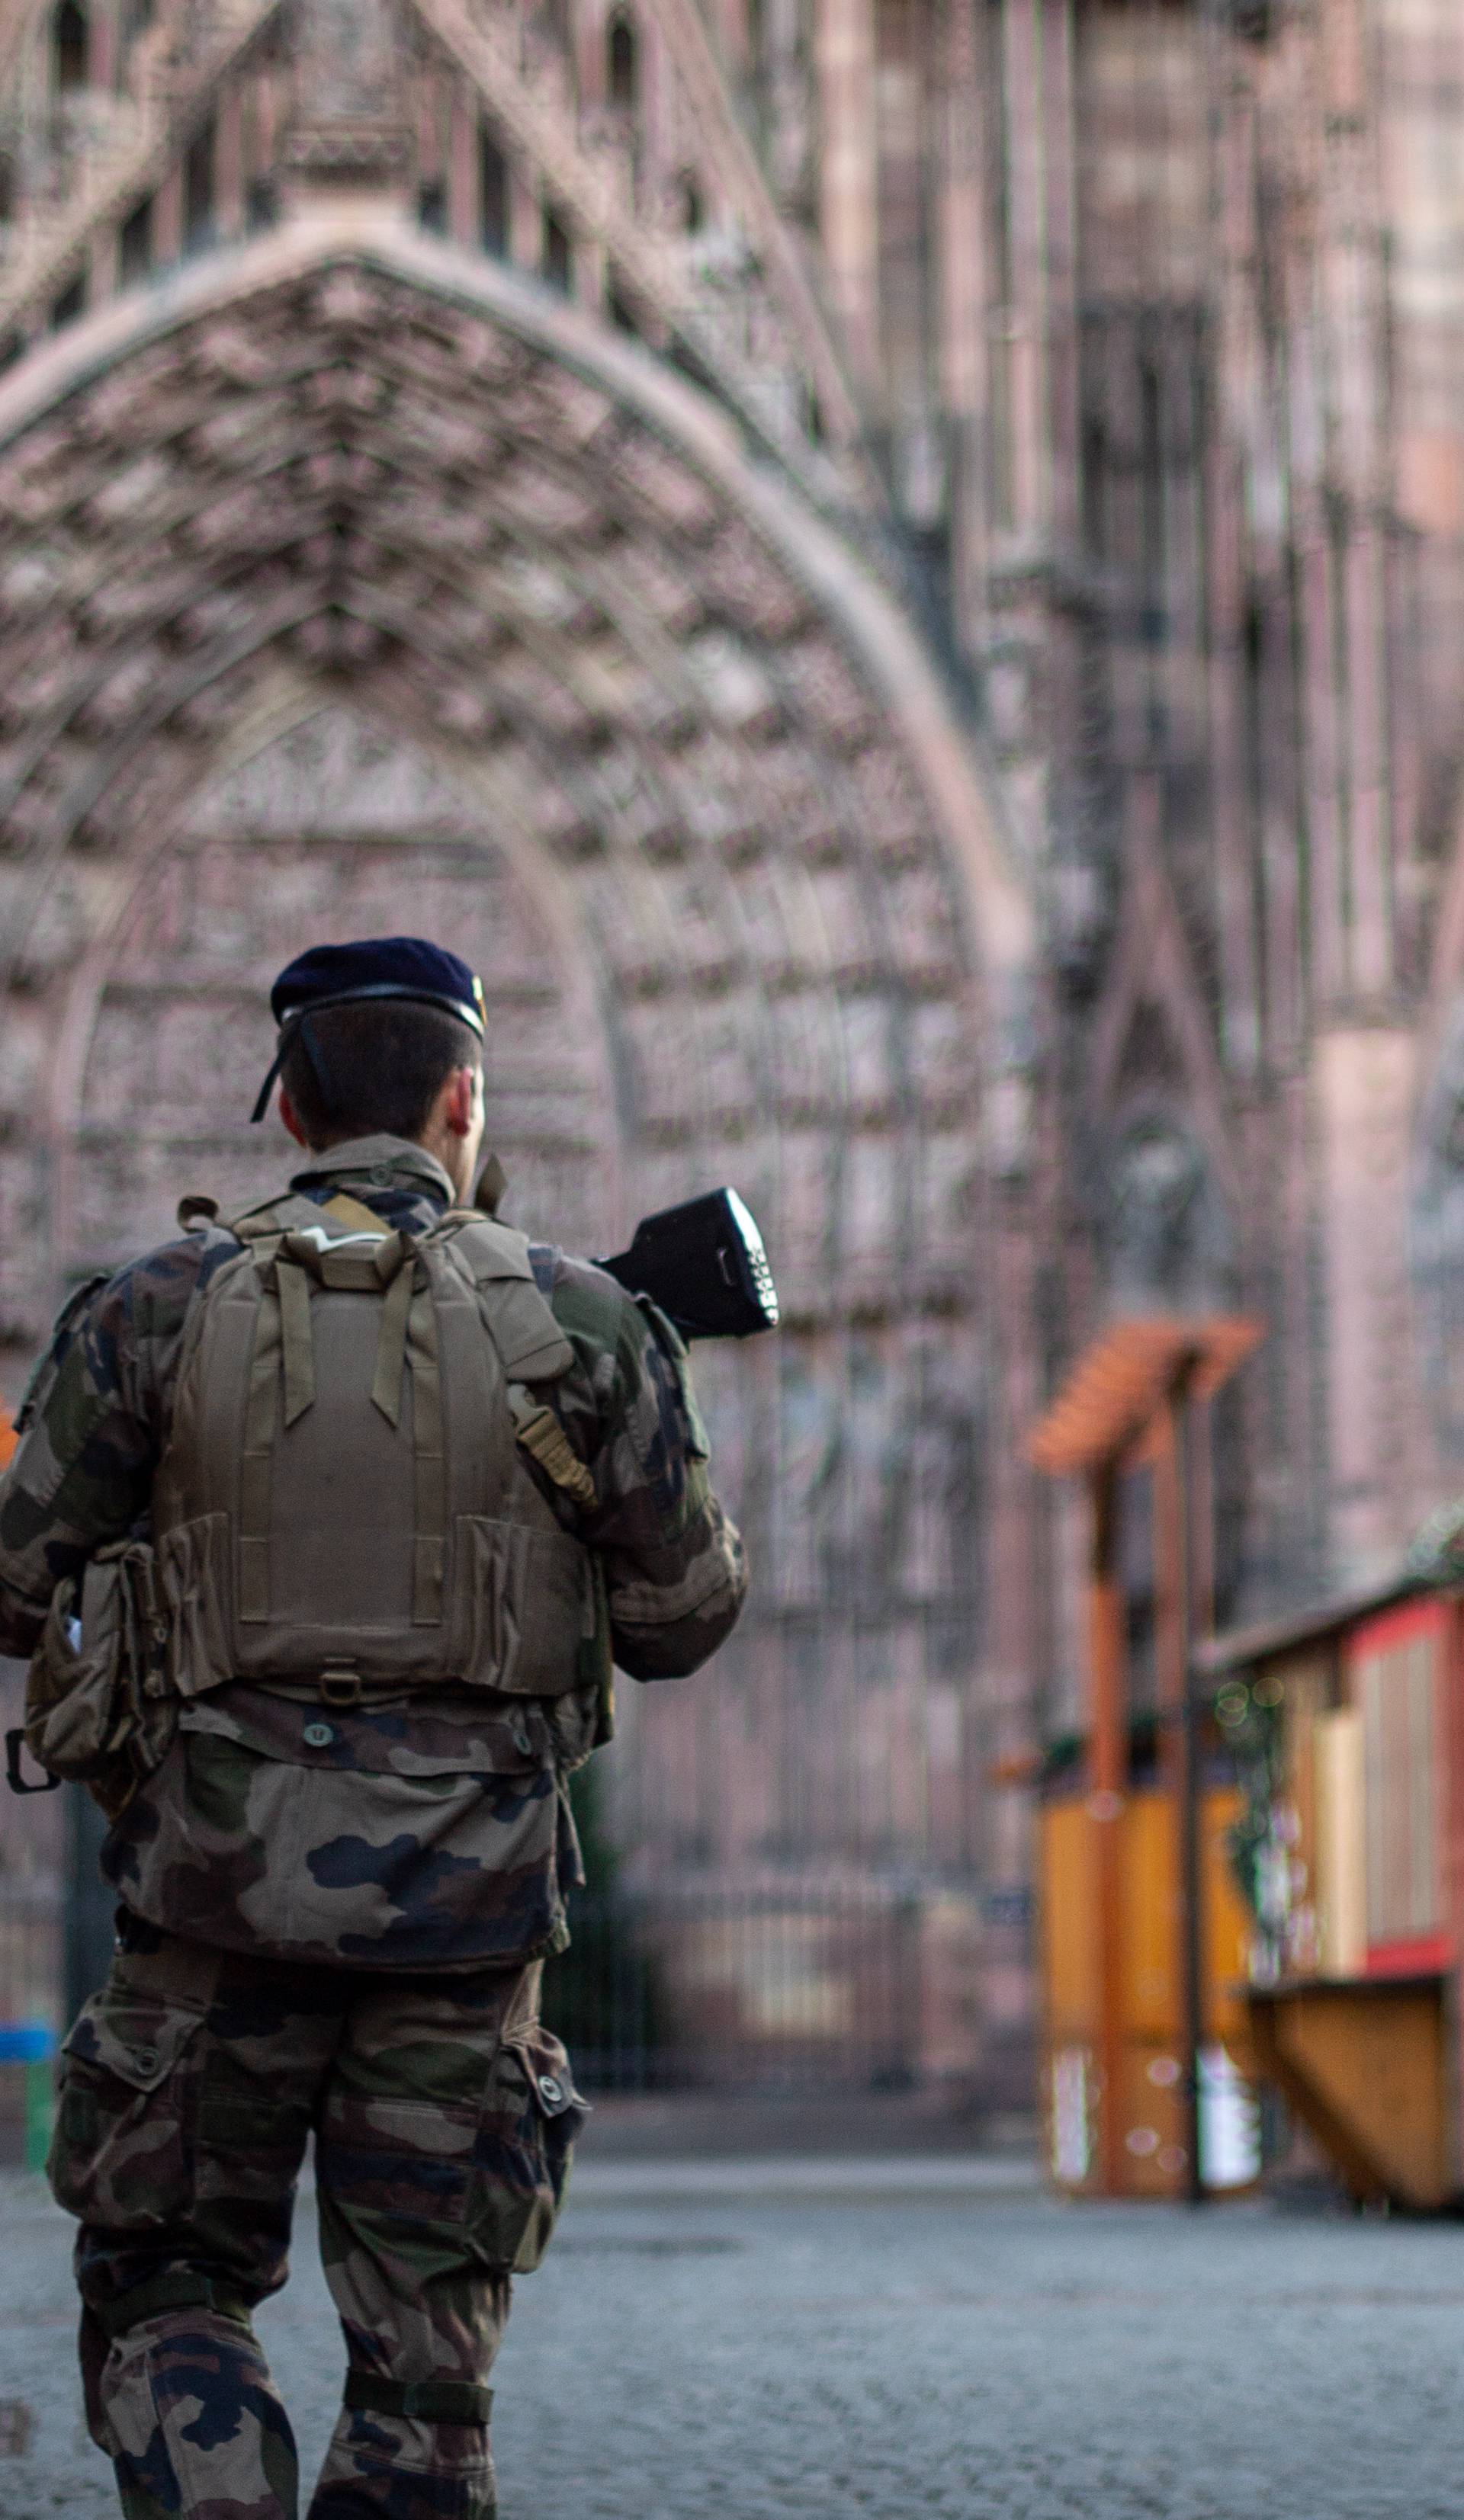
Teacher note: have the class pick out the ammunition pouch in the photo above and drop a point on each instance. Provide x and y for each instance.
(100, 1708)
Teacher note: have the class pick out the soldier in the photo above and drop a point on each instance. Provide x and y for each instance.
(400, 1485)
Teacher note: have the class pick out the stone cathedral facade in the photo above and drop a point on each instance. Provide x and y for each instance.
(893, 572)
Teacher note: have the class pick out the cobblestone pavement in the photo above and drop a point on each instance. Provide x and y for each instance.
(757, 2344)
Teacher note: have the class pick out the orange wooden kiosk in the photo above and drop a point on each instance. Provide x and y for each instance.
(1144, 1933)
(1353, 1718)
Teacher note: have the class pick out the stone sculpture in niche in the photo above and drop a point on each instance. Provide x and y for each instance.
(1163, 1230)
(349, 120)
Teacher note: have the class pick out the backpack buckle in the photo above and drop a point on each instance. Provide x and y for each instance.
(340, 1687)
(14, 1743)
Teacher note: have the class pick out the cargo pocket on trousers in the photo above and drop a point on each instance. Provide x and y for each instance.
(121, 2154)
(532, 2116)
(397, 2161)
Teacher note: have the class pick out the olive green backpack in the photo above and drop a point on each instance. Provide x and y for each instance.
(343, 1501)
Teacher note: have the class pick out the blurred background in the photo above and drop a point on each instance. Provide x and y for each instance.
(891, 571)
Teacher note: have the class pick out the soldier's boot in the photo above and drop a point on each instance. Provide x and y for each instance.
(408, 2450)
(185, 2408)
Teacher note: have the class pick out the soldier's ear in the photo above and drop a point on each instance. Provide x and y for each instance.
(461, 1105)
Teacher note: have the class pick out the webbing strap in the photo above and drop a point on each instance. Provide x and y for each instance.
(540, 1433)
(294, 1337)
(162, 2293)
(430, 2402)
(254, 1469)
(431, 1494)
(391, 1346)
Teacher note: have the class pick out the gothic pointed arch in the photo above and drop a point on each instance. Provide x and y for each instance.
(807, 635)
(349, 579)
(70, 48)
(1163, 1190)
(353, 472)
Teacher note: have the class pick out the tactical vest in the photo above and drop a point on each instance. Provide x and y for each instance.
(343, 1498)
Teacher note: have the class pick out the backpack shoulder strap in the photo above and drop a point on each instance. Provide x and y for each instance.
(532, 1346)
(485, 1248)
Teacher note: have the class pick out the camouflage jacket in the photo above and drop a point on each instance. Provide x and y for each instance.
(430, 1831)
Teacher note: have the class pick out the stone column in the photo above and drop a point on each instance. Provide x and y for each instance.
(848, 170)
(1363, 1090)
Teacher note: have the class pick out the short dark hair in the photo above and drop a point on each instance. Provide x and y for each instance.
(353, 1071)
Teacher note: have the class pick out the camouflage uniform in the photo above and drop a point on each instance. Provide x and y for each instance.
(334, 1918)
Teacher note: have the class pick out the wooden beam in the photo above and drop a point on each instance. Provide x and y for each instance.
(1115, 1389)
(1108, 1780)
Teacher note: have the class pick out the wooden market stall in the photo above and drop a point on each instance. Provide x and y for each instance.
(1129, 2035)
(1143, 1931)
(1348, 1732)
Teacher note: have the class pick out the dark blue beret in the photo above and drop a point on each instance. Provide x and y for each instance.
(378, 967)
(375, 967)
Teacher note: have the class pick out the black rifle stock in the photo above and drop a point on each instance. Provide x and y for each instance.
(704, 1263)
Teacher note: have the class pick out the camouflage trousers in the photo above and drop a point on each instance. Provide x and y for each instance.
(443, 2117)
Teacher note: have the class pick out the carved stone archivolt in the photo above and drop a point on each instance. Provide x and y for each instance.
(342, 477)
(335, 602)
